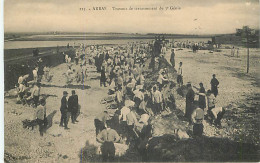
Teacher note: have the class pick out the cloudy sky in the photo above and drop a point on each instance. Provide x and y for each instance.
(194, 17)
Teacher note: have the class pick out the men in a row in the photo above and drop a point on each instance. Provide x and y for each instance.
(68, 107)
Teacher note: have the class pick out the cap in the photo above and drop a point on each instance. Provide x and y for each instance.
(65, 92)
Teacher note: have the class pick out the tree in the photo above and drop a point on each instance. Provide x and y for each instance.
(248, 36)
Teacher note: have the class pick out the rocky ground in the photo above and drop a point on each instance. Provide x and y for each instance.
(240, 124)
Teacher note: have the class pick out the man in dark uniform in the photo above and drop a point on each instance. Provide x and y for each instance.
(202, 101)
(103, 77)
(189, 102)
(64, 110)
(73, 106)
(214, 85)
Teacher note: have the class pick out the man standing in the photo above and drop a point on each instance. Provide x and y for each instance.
(100, 121)
(214, 85)
(233, 52)
(64, 110)
(35, 74)
(157, 100)
(172, 60)
(197, 119)
(36, 94)
(189, 102)
(179, 77)
(131, 121)
(144, 136)
(73, 106)
(103, 77)
(119, 97)
(162, 79)
(202, 101)
(41, 115)
(108, 137)
(122, 120)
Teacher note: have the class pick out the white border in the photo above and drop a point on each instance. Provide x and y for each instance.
(1, 80)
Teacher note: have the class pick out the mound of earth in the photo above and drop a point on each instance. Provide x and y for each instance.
(169, 148)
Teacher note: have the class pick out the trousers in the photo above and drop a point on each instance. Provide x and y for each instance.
(197, 129)
(64, 119)
(99, 126)
(108, 151)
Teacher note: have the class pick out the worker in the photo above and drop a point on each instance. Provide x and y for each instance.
(108, 137)
(100, 121)
(197, 119)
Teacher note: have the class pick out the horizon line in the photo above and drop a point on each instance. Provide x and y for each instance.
(132, 33)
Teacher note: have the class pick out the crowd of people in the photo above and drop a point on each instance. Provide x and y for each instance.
(123, 68)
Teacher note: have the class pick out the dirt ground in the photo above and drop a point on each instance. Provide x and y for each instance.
(59, 145)
(236, 87)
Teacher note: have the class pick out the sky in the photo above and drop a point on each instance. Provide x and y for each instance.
(193, 17)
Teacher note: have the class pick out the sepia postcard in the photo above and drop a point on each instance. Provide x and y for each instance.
(131, 81)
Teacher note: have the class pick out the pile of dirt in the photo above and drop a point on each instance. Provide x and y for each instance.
(152, 75)
(169, 148)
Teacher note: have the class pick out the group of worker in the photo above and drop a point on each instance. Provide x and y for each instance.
(123, 69)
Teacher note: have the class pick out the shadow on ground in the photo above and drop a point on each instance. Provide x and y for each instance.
(50, 119)
(68, 86)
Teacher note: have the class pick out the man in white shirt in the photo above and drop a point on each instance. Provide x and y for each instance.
(163, 50)
(40, 115)
(20, 80)
(138, 97)
(36, 94)
(157, 100)
(35, 74)
(179, 77)
(217, 114)
(131, 122)
(197, 118)
(119, 97)
(122, 120)
(21, 92)
(161, 80)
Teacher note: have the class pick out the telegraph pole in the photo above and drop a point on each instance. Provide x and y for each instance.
(247, 69)
(247, 37)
